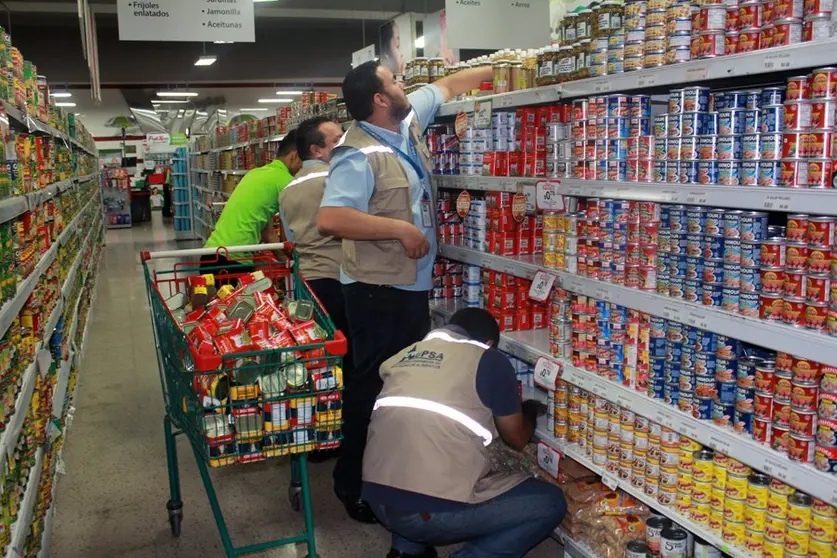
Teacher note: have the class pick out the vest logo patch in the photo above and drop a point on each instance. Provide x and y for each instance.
(414, 357)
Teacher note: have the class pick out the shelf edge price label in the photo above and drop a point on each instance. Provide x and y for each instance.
(549, 459)
(541, 286)
(547, 373)
(548, 196)
(482, 114)
(610, 480)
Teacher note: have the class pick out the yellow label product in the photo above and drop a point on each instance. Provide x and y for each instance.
(685, 466)
(819, 549)
(736, 487)
(699, 513)
(757, 490)
(774, 528)
(702, 470)
(682, 502)
(777, 503)
(734, 510)
(733, 533)
(716, 499)
(689, 445)
(684, 482)
(735, 467)
(823, 508)
(719, 476)
(716, 520)
(822, 527)
(796, 542)
(702, 492)
(770, 549)
(754, 518)
(799, 512)
(753, 540)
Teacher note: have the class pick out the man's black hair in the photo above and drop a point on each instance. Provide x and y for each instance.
(287, 145)
(308, 133)
(478, 323)
(359, 88)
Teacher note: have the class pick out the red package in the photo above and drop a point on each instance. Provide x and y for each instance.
(216, 315)
(230, 327)
(259, 330)
(305, 333)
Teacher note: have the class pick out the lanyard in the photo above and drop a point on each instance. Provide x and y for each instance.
(412, 158)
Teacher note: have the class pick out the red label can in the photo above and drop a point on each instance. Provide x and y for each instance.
(819, 259)
(795, 283)
(763, 406)
(771, 306)
(821, 231)
(772, 279)
(798, 114)
(786, 31)
(804, 396)
(797, 227)
(803, 423)
(730, 42)
(784, 362)
(781, 412)
(732, 20)
(796, 256)
(794, 173)
(773, 252)
(823, 80)
(820, 173)
(818, 288)
(750, 14)
(749, 39)
(801, 448)
(794, 144)
(816, 314)
(788, 8)
(779, 438)
(822, 113)
(798, 88)
(764, 383)
(794, 311)
(819, 143)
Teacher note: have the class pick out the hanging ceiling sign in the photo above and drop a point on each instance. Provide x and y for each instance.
(491, 24)
(186, 20)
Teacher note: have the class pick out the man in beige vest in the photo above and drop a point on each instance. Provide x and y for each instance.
(427, 472)
(319, 255)
(378, 199)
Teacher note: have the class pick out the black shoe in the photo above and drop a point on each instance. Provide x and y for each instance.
(429, 552)
(359, 511)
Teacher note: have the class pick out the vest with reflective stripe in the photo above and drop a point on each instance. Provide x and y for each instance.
(383, 262)
(430, 431)
(319, 256)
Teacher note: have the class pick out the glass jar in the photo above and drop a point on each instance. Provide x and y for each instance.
(435, 66)
(610, 18)
(565, 64)
(582, 61)
(569, 25)
(518, 80)
(502, 76)
(583, 24)
(421, 70)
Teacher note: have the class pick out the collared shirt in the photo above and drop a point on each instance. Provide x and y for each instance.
(289, 234)
(251, 206)
(351, 183)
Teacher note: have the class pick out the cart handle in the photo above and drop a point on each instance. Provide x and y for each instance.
(145, 255)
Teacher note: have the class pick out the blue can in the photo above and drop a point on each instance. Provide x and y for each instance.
(749, 173)
(753, 99)
(602, 309)
(748, 304)
(671, 393)
(732, 275)
(661, 148)
(731, 121)
(715, 221)
(732, 223)
(736, 99)
(729, 147)
(705, 343)
(751, 147)
(713, 270)
(617, 149)
(640, 105)
(695, 98)
(672, 371)
(639, 126)
(687, 383)
(601, 169)
(725, 391)
(732, 250)
(618, 126)
(692, 123)
(708, 147)
(694, 268)
(688, 171)
(689, 336)
(772, 119)
(618, 314)
(660, 170)
(674, 350)
(688, 147)
(675, 101)
(656, 388)
(705, 364)
(693, 290)
(694, 246)
(727, 347)
(754, 225)
(661, 126)
(675, 125)
(707, 172)
(772, 96)
(677, 219)
(658, 327)
(710, 123)
(673, 172)
(713, 247)
(664, 238)
(746, 375)
(617, 105)
(702, 408)
(742, 421)
(712, 293)
(752, 121)
(663, 282)
(750, 280)
(729, 173)
(744, 396)
(674, 331)
(729, 299)
(617, 354)
(718, 100)
(722, 415)
(677, 244)
(657, 347)
(677, 265)
(675, 286)
(657, 368)
(770, 146)
(768, 172)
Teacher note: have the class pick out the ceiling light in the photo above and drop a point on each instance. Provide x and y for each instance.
(275, 100)
(253, 110)
(223, 42)
(169, 101)
(420, 42)
(61, 94)
(65, 104)
(290, 92)
(206, 60)
(176, 94)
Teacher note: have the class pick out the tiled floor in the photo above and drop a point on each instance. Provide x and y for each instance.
(111, 502)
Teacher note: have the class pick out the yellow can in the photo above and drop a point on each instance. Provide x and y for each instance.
(699, 513)
(735, 467)
(684, 482)
(668, 477)
(682, 502)
(736, 487)
(733, 533)
(780, 487)
(823, 508)
(720, 460)
(819, 549)
(719, 476)
(716, 499)
(716, 520)
(666, 495)
(777, 503)
(796, 542)
(822, 527)
(702, 493)
(799, 512)
(685, 466)
(774, 529)
(689, 445)
(770, 549)
(757, 490)
(734, 510)
(702, 469)
(754, 518)
(753, 540)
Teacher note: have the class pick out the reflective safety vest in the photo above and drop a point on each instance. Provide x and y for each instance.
(429, 429)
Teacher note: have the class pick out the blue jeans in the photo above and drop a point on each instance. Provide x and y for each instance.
(504, 527)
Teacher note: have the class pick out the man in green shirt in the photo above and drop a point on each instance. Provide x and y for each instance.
(247, 217)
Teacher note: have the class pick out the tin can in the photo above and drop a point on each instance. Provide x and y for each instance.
(729, 172)
(771, 306)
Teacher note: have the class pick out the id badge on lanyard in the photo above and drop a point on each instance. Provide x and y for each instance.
(426, 210)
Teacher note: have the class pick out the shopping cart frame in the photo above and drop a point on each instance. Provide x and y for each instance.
(299, 492)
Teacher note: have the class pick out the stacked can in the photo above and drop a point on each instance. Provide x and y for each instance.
(676, 145)
(709, 24)
(557, 143)
(560, 324)
(445, 151)
(743, 31)
(636, 17)
(809, 124)
(796, 272)
(562, 238)
(558, 411)
(472, 286)
(475, 226)
(451, 229)
(506, 297)
(576, 414)
(447, 279)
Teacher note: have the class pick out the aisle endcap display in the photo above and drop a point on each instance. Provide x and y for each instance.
(787, 58)
(798, 341)
(811, 200)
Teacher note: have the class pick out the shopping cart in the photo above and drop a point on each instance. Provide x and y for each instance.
(244, 377)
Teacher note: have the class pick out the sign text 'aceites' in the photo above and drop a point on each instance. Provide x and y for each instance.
(186, 20)
(494, 24)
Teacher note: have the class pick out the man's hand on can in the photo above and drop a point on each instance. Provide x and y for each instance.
(414, 242)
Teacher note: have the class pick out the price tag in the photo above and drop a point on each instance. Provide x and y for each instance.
(671, 195)
(485, 262)
(698, 197)
(672, 313)
(549, 459)
(720, 444)
(776, 468)
(623, 401)
(697, 320)
(689, 430)
(541, 286)
(510, 269)
(547, 373)
(694, 74)
(779, 203)
(548, 197)
(602, 87)
(610, 480)
(482, 114)
(602, 293)
(647, 81)
(531, 195)
(833, 498)
(779, 61)
(667, 419)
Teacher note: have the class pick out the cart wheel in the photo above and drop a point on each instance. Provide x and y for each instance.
(175, 516)
(295, 497)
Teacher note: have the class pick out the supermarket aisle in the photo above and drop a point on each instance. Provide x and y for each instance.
(111, 502)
